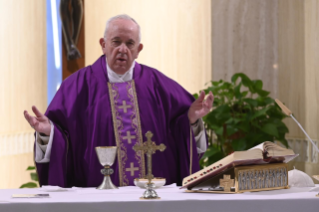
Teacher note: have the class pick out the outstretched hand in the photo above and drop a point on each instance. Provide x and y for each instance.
(39, 122)
(200, 107)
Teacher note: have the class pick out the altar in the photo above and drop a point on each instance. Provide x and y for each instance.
(172, 199)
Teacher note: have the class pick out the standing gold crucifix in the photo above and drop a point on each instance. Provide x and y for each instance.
(149, 147)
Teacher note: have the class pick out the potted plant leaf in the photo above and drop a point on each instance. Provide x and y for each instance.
(34, 177)
(243, 116)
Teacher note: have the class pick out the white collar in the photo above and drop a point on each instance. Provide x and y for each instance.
(114, 77)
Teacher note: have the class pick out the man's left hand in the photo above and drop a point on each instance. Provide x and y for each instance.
(200, 107)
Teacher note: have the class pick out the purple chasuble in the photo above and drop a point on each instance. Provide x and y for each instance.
(88, 111)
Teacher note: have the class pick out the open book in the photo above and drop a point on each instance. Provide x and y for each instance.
(267, 152)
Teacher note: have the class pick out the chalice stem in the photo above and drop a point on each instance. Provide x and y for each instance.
(107, 183)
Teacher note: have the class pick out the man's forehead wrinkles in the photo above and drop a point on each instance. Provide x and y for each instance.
(116, 38)
(119, 38)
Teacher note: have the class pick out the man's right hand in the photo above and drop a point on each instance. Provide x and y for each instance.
(39, 122)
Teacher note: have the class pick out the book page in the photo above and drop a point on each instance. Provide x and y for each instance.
(276, 150)
(255, 153)
(259, 146)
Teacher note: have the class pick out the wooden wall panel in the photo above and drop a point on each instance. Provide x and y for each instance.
(298, 46)
(13, 170)
(312, 67)
(291, 65)
(244, 39)
(312, 80)
(23, 80)
(23, 58)
(176, 35)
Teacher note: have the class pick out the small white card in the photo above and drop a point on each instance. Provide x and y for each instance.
(30, 195)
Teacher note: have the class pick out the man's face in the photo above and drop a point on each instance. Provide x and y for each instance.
(121, 46)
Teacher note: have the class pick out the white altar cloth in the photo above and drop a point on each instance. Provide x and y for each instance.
(172, 199)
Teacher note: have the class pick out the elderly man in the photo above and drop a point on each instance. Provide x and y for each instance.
(114, 102)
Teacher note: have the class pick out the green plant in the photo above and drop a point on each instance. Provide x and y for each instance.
(243, 116)
(34, 177)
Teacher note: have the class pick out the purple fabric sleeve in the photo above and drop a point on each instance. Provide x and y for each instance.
(55, 172)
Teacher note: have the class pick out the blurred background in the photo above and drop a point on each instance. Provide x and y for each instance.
(191, 41)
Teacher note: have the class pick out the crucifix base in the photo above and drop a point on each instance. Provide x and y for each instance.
(157, 181)
(150, 193)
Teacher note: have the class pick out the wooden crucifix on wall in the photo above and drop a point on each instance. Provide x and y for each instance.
(73, 52)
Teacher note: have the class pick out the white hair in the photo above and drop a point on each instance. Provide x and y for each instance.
(123, 16)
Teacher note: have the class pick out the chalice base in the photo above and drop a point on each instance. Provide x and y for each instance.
(150, 198)
(107, 183)
(150, 193)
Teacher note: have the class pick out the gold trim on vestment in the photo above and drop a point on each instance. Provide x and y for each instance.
(139, 133)
(117, 139)
(119, 121)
